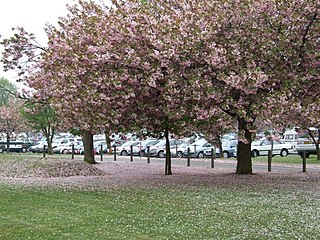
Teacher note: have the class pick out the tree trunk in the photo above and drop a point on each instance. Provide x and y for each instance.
(316, 142)
(88, 147)
(8, 143)
(317, 145)
(168, 154)
(108, 141)
(49, 133)
(50, 150)
(219, 144)
(244, 163)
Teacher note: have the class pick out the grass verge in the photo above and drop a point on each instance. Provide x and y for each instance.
(290, 159)
(164, 213)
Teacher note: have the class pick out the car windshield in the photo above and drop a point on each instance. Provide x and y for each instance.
(42, 143)
(199, 142)
(126, 144)
(183, 145)
(256, 143)
(207, 145)
(160, 143)
(153, 143)
(230, 143)
(226, 144)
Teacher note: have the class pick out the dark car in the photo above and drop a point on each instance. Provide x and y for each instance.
(15, 146)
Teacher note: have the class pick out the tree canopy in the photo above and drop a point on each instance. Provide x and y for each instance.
(161, 64)
(7, 91)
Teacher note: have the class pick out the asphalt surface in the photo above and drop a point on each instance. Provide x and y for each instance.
(218, 163)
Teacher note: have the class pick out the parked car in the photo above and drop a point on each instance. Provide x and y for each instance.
(67, 148)
(290, 136)
(293, 136)
(229, 148)
(229, 136)
(306, 145)
(143, 146)
(125, 149)
(261, 148)
(98, 144)
(79, 149)
(180, 149)
(158, 150)
(114, 144)
(65, 141)
(208, 152)
(199, 151)
(38, 148)
(15, 146)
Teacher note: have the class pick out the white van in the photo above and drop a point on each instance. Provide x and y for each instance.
(290, 136)
(59, 144)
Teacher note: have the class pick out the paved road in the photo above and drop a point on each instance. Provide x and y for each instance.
(218, 163)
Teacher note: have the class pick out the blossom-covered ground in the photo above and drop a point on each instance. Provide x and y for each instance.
(112, 175)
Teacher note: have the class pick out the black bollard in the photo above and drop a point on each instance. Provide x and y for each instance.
(72, 151)
(131, 153)
(148, 154)
(44, 151)
(269, 160)
(212, 158)
(101, 152)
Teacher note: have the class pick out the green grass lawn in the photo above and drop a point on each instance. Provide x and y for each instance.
(290, 159)
(197, 213)
(215, 211)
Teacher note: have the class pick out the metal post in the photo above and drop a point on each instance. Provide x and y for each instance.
(195, 151)
(115, 153)
(131, 153)
(44, 151)
(212, 158)
(101, 153)
(188, 159)
(148, 153)
(176, 150)
(304, 156)
(269, 160)
(72, 151)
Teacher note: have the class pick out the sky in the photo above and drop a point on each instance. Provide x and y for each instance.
(32, 15)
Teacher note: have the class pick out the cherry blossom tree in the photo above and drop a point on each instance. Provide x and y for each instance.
(254, 51)
(11, 120)
(237, 56)
(92, 63)
(104, 60)
(151, 63)
(65, 73)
